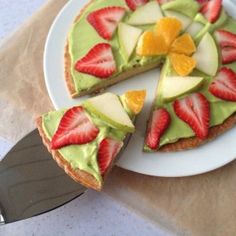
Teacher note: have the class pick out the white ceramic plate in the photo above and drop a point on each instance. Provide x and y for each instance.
(203, 159)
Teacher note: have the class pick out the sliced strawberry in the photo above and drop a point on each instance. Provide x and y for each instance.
(195, 111)
(226, 38)
(108, 149)
(133, 4)
(202, 2)
(224, 85)
(228, 55)
(159, 123)
(99, 62)
(105, 20)
(74, 128)
(211, 10)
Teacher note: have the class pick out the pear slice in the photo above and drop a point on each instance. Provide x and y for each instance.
(149, 13)
(207, 55)
(128, 37)
(111, 112)
(185, 20)
(175, 86)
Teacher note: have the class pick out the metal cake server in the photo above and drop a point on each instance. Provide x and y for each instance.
(31, 183)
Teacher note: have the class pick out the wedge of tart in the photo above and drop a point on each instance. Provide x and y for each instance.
(85, 140)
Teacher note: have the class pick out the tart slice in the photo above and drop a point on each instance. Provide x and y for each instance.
(85, 140)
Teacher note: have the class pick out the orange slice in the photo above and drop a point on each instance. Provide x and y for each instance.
(135, 100)
(169, 28)
(182, 64)
(183, 45)
(150, 45)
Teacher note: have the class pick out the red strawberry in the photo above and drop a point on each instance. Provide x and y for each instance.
(228, 55)
(159, 123)
(133, 4)
(105, 20)
(226, 38)
(108, 149)
(195, 111)
(202, 2)
(224, 85)
(74, 128)
(211, 10)
(163, 1)
(99, 61)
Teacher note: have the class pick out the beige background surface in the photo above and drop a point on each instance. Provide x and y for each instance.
(199, 205)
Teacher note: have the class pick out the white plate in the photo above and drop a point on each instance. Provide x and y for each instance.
(205, 158)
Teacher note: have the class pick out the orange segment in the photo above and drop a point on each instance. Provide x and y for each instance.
(182, 64)
(169, 28)
(183, 45)
(135, 100)
(150, 45)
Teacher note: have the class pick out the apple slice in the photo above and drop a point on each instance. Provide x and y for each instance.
(111, 112)
(185, 20)
(206, 48)
(194, 28)
(175, 86)
(149, 13)
(128, 38)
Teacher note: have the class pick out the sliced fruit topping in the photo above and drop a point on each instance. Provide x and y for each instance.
(228, 55)
(226, 38)
(163, 1)
(128, 38)
(149, 13)
(99, 62)
(211, 10)
(183, 65)
(205, 48)
(110, 110)
(185, 20)
(175, 86)
(202, 2)
(157, 126)
(183, 45)
(135, 100)
(105, 20)
(194, 28)
(168, 28)
(74, 128)
(195, 111)
(224, 85)
(151, 45)
(133, 4)
(107, 151)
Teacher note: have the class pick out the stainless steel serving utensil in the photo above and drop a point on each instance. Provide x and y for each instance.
(31, 183)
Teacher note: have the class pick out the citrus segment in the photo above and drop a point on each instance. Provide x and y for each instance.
(151, 45)
(169, 28)
(183, 45)
(135, 100)
(182, 64)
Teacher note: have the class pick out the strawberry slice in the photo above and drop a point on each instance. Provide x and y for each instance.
(74, 128)
(195, 111)
(202, 2)
(133, 4)
(99, 61)
(159, 123)
(228, 55)
(105, 20)
(108, 149)
(224, 85)
(211, 10)
(163, 1)
(226, 38)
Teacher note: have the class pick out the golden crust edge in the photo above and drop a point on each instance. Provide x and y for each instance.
(77, 175)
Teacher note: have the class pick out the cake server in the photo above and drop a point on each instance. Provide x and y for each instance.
(31, 183)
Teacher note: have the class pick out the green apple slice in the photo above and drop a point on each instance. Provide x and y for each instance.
(111, 112)
(175, 86)
(194, 28)
(207, 55)
(149, 13)
(128, 37)
(185, 20)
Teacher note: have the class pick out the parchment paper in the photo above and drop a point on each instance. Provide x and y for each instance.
(199, 205)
